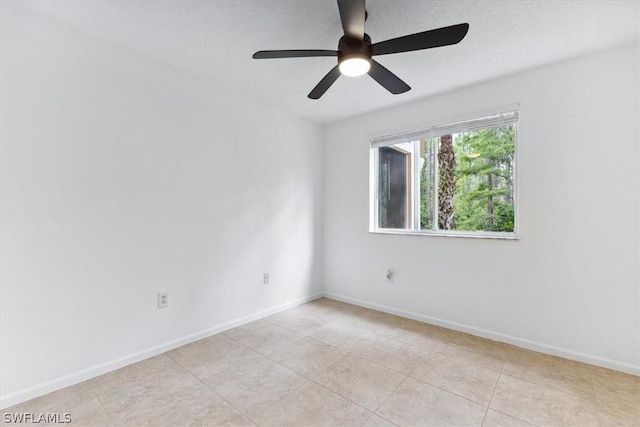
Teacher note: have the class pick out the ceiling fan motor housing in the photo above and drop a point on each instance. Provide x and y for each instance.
(355, 51)
(353, 48)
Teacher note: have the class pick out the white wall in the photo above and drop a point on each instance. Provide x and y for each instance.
(123, 177)
(570, 285)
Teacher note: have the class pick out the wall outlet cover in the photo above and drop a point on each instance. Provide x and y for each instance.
(163, 300)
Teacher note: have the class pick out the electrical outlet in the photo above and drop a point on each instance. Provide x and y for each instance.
(163, 300)
(265, 278)
(390, 276)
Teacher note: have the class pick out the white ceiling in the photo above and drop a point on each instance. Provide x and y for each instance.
(217, 38)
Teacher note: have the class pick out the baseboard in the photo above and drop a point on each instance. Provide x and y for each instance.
(496, 336)
(86, 374)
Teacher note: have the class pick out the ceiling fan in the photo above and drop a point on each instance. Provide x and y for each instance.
(355, 50)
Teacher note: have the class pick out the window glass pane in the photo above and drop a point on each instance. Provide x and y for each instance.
(459, 181)
(394, 186)
(427, 167)
(484, 187)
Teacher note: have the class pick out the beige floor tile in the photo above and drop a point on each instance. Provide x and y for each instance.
(195, 404)
(561, 374)
(457, 376)
(215, 368)
(360, 356)
(269, 339)
(331, 304)
(204, 351)
(618, 414)
(307, 356)
(541, 404)
(329, 311)
(338, 316)
(78, 401)
(417, 334)
(476, 350)
(370, 321)
(415, 403)
(617, 397)
(392, 354)
(498, 419)
(377, 421)
(249, 381)
(361, 381)
(612, 387)
(158, 391)
(241, 330)
(300, 319)
(364, 324)
(313, 405)
(344, 337)
(145, 380)
(379, 317)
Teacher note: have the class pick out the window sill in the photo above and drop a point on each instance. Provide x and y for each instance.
(467, 234)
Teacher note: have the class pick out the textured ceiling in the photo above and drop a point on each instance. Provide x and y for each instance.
(216, 39)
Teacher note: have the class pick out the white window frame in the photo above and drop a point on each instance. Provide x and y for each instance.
(508, 115)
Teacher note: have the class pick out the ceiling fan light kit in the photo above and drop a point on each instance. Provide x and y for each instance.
(355, 50)
(354, 55)
(354, 66)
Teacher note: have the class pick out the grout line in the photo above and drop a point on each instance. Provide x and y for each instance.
(593, 390)
(447, 391)
(524, 344)
(101, 404)
(285, 396)
(344, 320)
(380, 416)
(212, 390)
(581, 396)
(367, 419)
(510, 416)
(342, 396)
(354, 354)
(387, 397)
(282, 366)
(336, 393)
(348, 353)
(595, 399)
(495, 386)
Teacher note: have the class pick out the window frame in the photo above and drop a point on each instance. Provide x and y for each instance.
(427, 132)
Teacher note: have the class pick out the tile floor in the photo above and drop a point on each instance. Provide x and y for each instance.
(328, 363)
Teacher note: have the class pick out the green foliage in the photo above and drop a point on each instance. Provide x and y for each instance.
(426, 220)
(428, 151)
(483, 198)
(484, 189)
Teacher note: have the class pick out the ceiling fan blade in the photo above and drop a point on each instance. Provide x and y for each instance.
(444, 36)
(271, 54)
(325, 83)
(387, 79)
(352, 15)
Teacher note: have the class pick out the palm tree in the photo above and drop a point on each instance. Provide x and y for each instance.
(447, 183)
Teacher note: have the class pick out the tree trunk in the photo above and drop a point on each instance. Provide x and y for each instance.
(509, 184)
(447, 183)
(491, 219)
(428, 184)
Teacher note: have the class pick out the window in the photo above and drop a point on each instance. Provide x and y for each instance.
(456, 179)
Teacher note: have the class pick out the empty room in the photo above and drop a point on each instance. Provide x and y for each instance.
(320, 213)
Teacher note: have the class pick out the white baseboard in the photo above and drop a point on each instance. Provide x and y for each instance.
(86, 374)
(496, 336)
